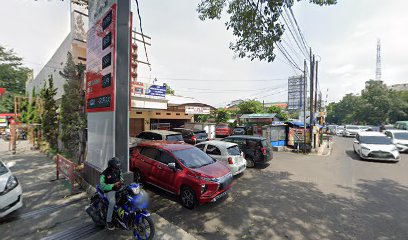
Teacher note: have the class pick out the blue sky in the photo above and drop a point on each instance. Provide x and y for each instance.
(183, 47)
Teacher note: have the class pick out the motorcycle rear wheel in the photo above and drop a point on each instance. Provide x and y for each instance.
(145, 229)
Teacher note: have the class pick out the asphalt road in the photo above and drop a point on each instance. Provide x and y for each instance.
(303, 197)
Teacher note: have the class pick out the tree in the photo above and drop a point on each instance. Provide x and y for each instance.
(49, 115)
(255, 24)
(169, 90)
(72, 117)
(282, 115)
(202, 118)
(377, 105)
(222, 115)
(250, 106)
(13, 77)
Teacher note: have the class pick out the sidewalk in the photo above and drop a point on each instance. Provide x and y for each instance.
(50, 211)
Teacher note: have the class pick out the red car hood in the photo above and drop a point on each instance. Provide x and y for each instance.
(214, 170)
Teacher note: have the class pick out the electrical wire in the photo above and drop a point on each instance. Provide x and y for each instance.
(300, 31)
(141, 31)
(280, 47)
(217, 80)
(290, 26)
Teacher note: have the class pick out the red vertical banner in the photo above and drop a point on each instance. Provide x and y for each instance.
(130, 62)
(100, 64)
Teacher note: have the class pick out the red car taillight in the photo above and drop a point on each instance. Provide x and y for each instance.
(230, 161)
(263, 151)
(194, 138)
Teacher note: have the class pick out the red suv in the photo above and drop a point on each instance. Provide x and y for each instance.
(223, 129)
(181, 169)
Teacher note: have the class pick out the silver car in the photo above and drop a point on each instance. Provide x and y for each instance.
(399, 138)
(225, 152)
(11, 194)
(375, 146)
(351, 130)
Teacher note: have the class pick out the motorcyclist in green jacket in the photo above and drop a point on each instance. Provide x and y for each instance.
(110, 181)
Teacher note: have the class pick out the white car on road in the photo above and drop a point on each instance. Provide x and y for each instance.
(351, 131)
(225, 152)
(11, 197)
(399, 138)
(375, 146)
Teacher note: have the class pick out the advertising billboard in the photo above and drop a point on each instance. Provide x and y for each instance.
(100, 63)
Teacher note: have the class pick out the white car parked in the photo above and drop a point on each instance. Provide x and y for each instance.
(399, 138)
(375, 146)
(225, 152)
(11, 197)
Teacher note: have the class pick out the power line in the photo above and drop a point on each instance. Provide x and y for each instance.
(141, 31)
(300, 31)
(280, 47)
(217, 80)
(290, 26)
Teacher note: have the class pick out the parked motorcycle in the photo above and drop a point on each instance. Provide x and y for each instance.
(130, 212)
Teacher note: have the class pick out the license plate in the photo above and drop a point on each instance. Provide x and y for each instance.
(219, 196)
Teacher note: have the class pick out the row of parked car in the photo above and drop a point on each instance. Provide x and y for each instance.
(186, 163)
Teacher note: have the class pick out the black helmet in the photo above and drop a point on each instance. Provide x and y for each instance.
(114, 163)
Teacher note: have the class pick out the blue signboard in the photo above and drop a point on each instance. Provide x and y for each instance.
(157, 91)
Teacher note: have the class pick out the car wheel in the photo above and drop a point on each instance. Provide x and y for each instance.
(188, 198)
(137, 176)
(250, 163)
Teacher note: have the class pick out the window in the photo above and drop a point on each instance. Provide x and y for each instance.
(155, 136)
(375, 140)
(3, 169)
(150, 152)
(193, 157)
(165, 158)
(213, 150)
(175, 137)
(142, 135)
(234, 151)
(201, 147)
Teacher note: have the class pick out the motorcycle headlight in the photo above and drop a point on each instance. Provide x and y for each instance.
(135, 190)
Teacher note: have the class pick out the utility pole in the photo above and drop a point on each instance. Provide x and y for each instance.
(315, 99)
(304, 107)
(312, 62)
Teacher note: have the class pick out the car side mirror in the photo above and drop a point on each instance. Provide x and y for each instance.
(356, 142)
(172, 166)
(10, 164)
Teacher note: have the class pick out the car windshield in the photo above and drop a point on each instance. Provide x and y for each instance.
(353, 127)
(175, 137)
(200, 134)
(193, 157)
(382, 140)
(3, 169)
(234, 150)
(401, 135)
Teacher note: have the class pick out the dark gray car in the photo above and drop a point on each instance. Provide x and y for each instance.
(255, 149)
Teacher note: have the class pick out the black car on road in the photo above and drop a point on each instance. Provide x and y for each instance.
(192, 136)
(255, 149)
